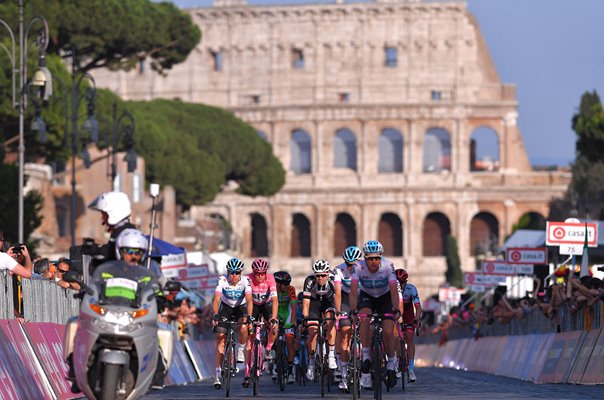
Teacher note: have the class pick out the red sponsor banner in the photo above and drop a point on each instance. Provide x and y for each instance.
(197, 277)
(571, 233)
(20, 375)
(526, 255)
(47, 341)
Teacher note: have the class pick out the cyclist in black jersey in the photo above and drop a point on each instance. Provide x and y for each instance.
(322, 298)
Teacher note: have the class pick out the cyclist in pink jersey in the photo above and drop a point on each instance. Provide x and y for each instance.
(264, 297)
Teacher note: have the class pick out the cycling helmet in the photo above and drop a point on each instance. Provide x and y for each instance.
(402, 275)
(115, 204)
(352, 254)
(320, 266)
(260, 265)
(373, 247)
(283, 278)
(234, 265)
(130, 238)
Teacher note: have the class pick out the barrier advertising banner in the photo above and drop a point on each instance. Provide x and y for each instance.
(20, 374)
(47, 341)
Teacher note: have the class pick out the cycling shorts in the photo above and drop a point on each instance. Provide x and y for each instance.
(231, 314)
(319, 307)
(345, 311)
(265, 309)
(379, 305)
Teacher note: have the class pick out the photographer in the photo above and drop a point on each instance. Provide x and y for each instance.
(17, 260)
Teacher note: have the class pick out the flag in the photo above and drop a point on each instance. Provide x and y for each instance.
(584, 257)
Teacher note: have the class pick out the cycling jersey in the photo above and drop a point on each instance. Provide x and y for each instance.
(409, 295)
(374, 284)
(286, 299)
(233, 295)
(263, 292)
(314, 291)
(345, 276)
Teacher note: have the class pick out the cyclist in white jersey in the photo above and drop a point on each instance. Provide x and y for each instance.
(351, 256)
(374, 290)
(232, 301)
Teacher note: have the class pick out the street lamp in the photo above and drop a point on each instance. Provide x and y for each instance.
(90, 126)
(122, 127)
(41, 85)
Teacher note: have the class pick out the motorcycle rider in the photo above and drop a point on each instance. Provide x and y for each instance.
(115, 212)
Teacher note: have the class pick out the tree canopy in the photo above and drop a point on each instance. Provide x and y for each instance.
(585, 194)
(117, 34)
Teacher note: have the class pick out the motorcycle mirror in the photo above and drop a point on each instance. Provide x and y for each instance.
(172, 286)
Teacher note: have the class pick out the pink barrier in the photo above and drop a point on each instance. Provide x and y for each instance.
(580, 366)
(594, 371)
(560, 357)
(20, 374)
(47, 341)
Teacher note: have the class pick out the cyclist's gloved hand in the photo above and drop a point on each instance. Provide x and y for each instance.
(397, 313)
(250, 319)
(274, 322)
(417, 323)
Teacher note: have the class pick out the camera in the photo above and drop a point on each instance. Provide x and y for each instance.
(601, 268)
(17, 248)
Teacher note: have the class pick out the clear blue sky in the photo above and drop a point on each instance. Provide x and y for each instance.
(551, 49)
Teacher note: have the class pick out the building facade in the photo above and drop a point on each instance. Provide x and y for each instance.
(389, 118)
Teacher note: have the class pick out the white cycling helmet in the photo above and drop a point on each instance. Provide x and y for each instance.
(130, 238)
(115, 204)
(320, 266)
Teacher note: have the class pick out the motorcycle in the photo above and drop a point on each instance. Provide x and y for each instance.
(113, 343)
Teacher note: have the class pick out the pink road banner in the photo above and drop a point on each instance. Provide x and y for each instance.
(20, 375)
(47, 341)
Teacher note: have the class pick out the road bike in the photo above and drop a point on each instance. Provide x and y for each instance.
(257, 355)
(354, 366)
(281, 357)
(378, 354)
(322, 371)
(229, 362)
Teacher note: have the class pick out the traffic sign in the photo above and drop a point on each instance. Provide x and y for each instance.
(559, 233)
(526, 255)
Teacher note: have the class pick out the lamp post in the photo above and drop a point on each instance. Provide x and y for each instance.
(90, 126)
(122, 127)
(42, 81)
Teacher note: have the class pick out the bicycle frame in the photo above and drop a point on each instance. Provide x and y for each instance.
(354, 366)
(377, 351)
(256, 365)
(228, 361)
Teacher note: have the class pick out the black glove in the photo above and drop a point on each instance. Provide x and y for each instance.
(274, 321)
(215, 317)
(396, 312)
(250, 319)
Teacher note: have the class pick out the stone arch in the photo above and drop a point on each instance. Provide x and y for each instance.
(437, 150)
(259, 244)
(300, 238)
(532, 220)
(345, 149)
(345, 233)
(390, 234)
(435, 230)
(484, 150)
(391, 145)
(484, 234)
(300, 152)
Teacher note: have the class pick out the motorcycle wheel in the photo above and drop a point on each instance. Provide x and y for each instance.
(111, 376)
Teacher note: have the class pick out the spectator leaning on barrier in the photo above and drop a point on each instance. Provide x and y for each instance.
(64, 265)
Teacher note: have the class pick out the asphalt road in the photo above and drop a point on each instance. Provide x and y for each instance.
(432, 383)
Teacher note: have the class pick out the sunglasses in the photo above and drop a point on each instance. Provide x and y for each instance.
(321, 275)
(234, 272)
(131, 251)
(259, 273)
(373, 258)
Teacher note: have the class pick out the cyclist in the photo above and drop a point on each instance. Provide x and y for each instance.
(264, 290)
(287, 313)
(351, 256)
(373, 289)
(322, 296)
(412, 314)
(232, 300)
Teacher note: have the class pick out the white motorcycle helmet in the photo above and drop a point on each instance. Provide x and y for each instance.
(132, 239)
(115, 204)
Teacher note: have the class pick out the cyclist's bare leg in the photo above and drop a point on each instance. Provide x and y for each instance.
(410, 345)
(389, 338)
(272, 336)
(243, 341)
(220, 341)
(290, 341)
(364, 329)
(311, 342)
(331, 329)
(344, 343)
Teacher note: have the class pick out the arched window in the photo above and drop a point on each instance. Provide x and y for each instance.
(532, 220)
(262, 135)
(259, 236)
(62, 220)
(390, 234)
(437, 150)
(435, 231)
(345, 233)
(484, 234)
(345, 149)
(300, 245)
(300, 151)
(484, 150)
(390, 157)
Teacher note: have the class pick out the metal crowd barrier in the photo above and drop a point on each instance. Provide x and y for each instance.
(45, 301)
(6, 299)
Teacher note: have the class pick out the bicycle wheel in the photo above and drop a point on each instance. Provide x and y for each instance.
(254, 372)
(355, 354)
(377, 369)
(303, 365)
(281, 365)
(403, 364)
(227, 366)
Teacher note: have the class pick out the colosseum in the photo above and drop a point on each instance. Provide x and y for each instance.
(388, 116)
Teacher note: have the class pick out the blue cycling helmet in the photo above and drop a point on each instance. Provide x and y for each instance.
(234, 265)
(352, 254)
(373, 247)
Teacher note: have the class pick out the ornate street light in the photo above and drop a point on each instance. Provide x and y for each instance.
(40, 87)
(122, 128)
